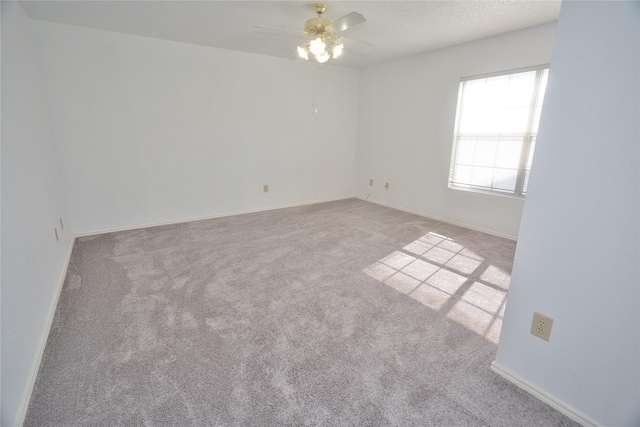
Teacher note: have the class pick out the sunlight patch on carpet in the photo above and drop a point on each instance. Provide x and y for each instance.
(444, 275)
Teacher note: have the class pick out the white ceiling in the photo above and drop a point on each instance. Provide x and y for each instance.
(396, 28)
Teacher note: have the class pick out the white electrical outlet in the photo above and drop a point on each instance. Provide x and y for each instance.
(371, 183)
(265, 188)
(541, 326)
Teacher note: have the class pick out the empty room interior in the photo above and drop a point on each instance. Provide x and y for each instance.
(289, 213)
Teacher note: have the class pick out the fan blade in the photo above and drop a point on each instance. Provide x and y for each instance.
(363, 47)
(347, 21)
(281, 31)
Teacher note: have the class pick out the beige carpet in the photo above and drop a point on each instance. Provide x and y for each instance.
(339, 314)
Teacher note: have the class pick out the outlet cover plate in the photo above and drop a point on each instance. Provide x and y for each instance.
(541, 326)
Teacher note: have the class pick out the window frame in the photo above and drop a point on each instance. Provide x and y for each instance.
(528, 137)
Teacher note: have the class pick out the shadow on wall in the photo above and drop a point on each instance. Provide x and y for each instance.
(446, 276)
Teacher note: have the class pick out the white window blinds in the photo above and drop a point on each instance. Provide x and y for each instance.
(496, 128)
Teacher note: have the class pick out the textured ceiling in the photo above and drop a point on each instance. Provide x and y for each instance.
(396, 28)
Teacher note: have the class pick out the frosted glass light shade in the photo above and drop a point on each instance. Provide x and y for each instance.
(323, 57)
(303, 52)
(317, 46)
(337, 50)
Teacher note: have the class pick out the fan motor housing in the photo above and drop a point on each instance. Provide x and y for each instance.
(317, 26)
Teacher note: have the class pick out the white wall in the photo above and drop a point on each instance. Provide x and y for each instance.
(151, 131)
(407, 115)
(32, 201)
(579, 243)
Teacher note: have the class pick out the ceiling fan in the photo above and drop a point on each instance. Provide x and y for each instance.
(323, 40)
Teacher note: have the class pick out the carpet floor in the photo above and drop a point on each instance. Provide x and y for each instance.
(344, 313)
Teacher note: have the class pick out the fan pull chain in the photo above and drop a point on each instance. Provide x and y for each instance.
(315, 91)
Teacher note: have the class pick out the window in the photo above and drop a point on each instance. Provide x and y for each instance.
(496, 129)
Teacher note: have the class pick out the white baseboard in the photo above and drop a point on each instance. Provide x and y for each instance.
(448, 221)
(180, 221)
(544, 396)
(26, 397)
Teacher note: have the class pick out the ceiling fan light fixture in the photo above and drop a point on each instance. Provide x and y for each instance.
(336, 49)
(323, 57)
(323, 41)
(303, 52)
(317, 46)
